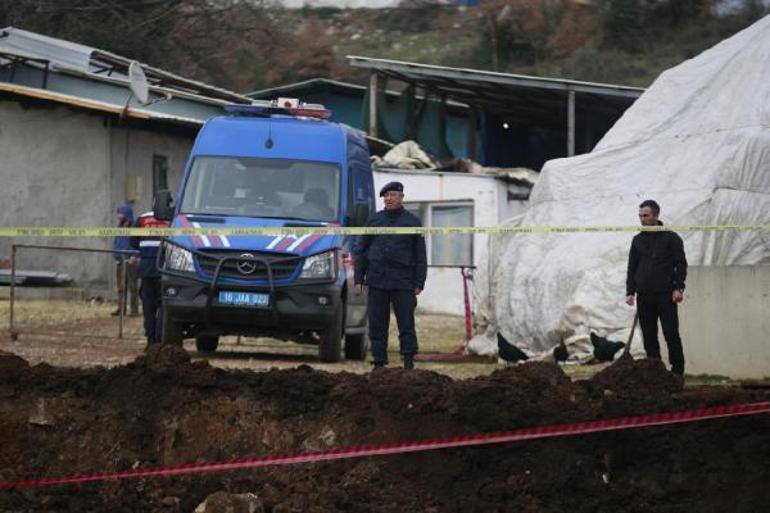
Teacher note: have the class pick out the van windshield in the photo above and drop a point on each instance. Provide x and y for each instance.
(253, 187)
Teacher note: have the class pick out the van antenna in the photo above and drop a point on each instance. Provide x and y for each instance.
(269, 141)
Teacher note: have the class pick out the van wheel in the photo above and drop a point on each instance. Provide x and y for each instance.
(330, 345)
(357, 346)
(171, 331)
(207, 344)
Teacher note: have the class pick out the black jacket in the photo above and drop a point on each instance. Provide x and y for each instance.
(656, 263)
(391, 261)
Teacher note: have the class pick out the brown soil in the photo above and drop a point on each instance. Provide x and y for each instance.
(164, 409)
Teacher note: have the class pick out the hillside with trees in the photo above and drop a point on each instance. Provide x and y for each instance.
(254, 44)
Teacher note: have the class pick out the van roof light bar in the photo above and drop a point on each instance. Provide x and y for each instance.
(280, 106)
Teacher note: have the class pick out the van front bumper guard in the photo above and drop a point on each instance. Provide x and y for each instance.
(213, 282)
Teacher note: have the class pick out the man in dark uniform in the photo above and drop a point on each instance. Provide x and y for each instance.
(657, 269)
(394, 268)
(150, 290)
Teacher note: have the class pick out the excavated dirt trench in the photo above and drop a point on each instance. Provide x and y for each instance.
(164, 410)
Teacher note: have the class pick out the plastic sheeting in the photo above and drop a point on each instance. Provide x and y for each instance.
(698, 142)
(405, 155)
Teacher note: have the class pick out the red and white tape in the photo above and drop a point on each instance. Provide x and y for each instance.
(531, 433)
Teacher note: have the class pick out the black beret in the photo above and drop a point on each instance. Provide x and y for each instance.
(391, 186)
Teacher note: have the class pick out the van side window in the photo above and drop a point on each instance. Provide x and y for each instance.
(363, 184)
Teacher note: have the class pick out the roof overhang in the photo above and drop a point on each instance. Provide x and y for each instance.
(95, 105)
(490, 91)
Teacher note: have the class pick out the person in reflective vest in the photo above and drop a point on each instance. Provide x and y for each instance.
(150, 289)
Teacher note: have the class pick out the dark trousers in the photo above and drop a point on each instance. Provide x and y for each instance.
(652, 307)
(404, 302)
(151, 300)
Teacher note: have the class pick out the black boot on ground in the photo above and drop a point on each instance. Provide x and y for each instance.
(409, 361)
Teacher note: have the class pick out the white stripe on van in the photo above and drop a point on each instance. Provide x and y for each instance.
(205, 239)
(275, 242)
(297, 242)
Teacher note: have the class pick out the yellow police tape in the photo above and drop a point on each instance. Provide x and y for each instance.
(31, 231)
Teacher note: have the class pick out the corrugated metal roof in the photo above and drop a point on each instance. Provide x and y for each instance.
(68, 56)
(416, 70)
(522, 95)
(59, 52)
(316, 83)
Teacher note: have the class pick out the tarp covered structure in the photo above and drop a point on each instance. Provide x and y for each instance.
(698, 142)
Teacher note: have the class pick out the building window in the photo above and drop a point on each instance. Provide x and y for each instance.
(159, 173)
(446, 249)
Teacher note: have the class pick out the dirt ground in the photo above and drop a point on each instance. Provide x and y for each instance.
(83, 334)
(123, 409)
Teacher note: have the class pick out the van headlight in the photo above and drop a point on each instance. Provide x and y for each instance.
(321, 266)
(178, 259)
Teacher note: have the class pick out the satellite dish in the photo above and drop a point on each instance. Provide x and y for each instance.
(137, 82)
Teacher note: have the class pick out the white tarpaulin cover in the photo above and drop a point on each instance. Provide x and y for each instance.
(698, 142)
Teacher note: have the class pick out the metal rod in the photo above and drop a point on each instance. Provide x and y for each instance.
(13, 290)
(373, 93)
(571, 123)
(89, 250)
(122, 295)
(473, 120)
(45, 333)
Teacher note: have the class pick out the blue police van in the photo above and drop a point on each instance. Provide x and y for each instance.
(278, 164)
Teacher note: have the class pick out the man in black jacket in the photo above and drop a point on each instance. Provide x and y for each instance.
(657, 269)
(394, 268)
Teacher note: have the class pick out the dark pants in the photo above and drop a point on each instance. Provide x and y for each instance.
(652, 307)
(404, 302)
(151, 300)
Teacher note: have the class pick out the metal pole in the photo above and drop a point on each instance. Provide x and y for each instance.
(467, 276)
(122, 295)
(473, 120)
(373, 93)
(14, 335)
(571, 123)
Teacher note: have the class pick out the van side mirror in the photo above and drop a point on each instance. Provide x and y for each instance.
(360, 214)
(162, 206)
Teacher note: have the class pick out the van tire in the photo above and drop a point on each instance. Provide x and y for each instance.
(330, 345)
(357, 346)
(171, 331)
(207, 344)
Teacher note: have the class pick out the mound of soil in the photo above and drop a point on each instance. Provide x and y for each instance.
(163, 409)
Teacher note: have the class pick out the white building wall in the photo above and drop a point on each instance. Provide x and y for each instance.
(724, 321)
(444, 287)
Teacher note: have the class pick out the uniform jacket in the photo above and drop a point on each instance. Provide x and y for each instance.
(656, 263)
(148, 246)
(391, 261)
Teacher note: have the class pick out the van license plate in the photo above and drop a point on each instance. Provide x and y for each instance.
(244, 299)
